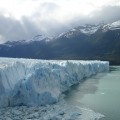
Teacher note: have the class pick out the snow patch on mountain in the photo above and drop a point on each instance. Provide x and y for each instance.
(39, 38)
(112, 26)
(115, 24)
(34, 39)
(89, 31)
(67, 34)
(85, 29)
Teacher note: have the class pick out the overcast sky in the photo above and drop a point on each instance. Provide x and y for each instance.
(23, 19)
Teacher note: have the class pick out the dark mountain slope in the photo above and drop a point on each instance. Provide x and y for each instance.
(84, 42)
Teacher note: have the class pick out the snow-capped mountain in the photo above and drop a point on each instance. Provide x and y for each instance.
(25, 48)
(86, 29)
(37, 38)
(100, 41)
(89, 29)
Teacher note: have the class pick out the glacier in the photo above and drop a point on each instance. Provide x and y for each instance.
(34, 82)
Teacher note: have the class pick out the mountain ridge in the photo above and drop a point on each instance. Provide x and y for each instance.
(100, 41)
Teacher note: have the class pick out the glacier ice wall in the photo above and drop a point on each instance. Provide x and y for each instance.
(40, 82)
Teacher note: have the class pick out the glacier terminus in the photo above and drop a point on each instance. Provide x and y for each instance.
(40, 82)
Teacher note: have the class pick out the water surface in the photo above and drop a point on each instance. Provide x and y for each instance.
(100, 93)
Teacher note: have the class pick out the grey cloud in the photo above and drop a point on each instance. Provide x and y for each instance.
(46, 9)
(11, 29)
(107, 14)
(49, 6)
(53, 27)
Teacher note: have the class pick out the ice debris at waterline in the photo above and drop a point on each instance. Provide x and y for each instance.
(40, 82)
(58, 111)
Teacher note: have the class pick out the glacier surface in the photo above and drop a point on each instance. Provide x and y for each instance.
(40, 82)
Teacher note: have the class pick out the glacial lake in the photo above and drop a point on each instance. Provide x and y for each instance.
(100, 93)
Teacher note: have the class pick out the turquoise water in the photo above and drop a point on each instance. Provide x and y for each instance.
(100, 93)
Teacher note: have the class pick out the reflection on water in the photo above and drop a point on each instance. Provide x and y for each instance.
(87, 86)
(100, 93)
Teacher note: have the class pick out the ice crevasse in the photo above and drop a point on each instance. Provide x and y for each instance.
(39, 82)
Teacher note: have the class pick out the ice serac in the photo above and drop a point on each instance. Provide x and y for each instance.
(39, 82)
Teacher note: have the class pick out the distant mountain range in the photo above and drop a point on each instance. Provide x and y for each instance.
(100, 41)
